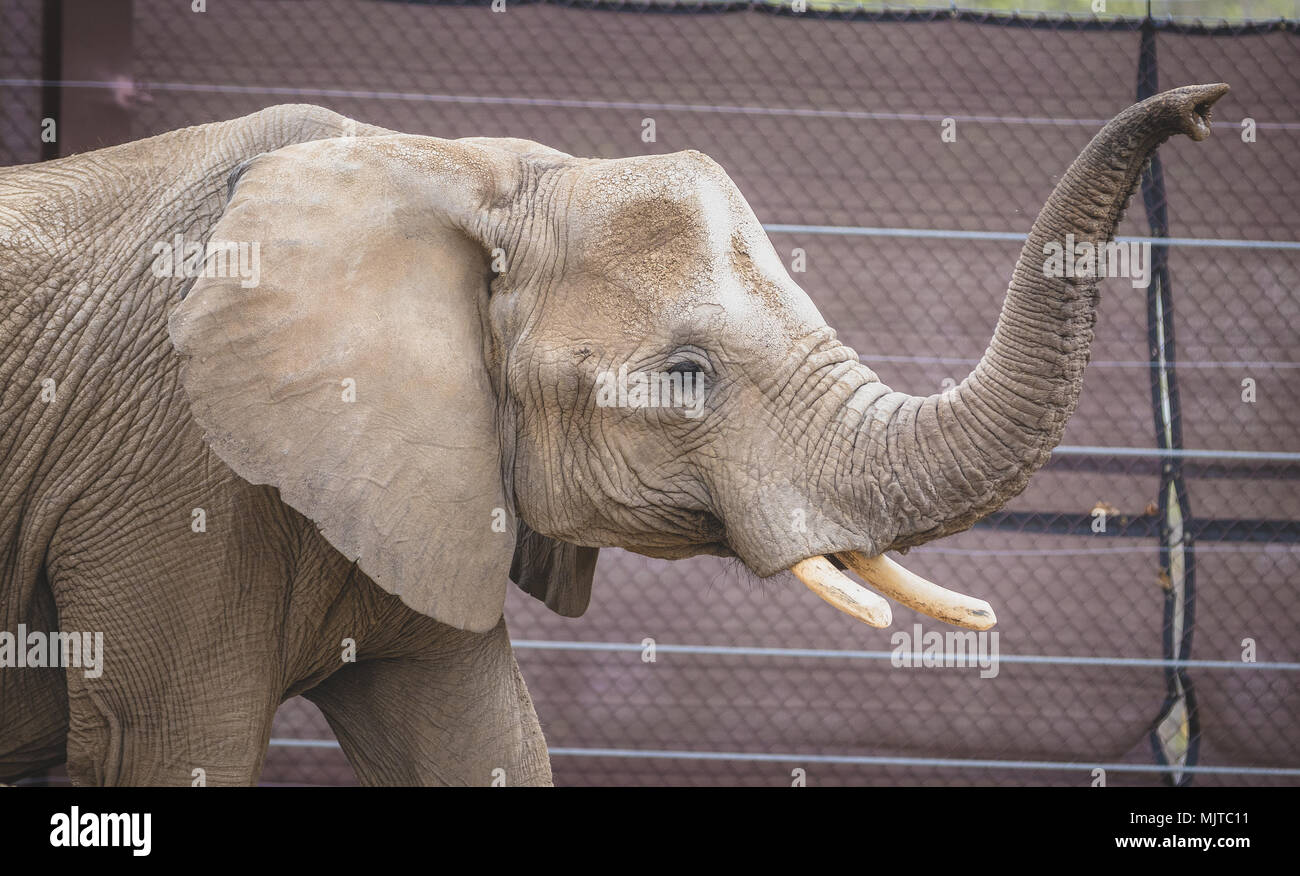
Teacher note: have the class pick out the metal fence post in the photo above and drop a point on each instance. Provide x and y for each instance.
(1175, 734)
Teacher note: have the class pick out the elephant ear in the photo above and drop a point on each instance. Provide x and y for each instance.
(348, 366)
(556, 572)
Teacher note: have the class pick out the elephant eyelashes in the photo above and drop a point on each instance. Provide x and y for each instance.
(685, 368)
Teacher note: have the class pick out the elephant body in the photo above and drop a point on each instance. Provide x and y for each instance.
(315, 472)
(205, 632)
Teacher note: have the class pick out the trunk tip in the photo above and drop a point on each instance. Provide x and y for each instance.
(1192, 104)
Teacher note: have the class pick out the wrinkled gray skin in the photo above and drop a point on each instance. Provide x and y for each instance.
(474, 449)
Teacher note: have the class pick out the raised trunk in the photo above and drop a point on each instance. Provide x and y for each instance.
(949, 459)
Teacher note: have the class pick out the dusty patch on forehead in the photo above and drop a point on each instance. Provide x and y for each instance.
(652, 225)
(646, 201)
(668, 238)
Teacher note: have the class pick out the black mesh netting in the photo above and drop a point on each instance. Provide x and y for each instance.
(831, 126)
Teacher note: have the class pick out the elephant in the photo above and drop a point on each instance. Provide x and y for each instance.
(287, 401)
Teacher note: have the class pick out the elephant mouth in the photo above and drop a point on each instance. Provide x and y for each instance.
(825, 577)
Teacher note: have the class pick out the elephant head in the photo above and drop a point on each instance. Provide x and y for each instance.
(444, 365)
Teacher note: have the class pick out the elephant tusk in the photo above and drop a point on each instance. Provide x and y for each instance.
(852, 598)
(915, 592)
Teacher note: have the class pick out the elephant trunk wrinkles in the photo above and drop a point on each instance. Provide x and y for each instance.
(945, 461)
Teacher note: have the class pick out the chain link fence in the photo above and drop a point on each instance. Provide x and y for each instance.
(1145, 583)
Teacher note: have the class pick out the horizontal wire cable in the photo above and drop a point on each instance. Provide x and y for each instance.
(1255, 549)
(965, 763)
(1143, 364)
(1253, 455)
(819, 653)
(1015, 236)
(865, 760)
(579, 103)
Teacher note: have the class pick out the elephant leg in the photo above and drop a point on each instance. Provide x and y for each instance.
(32, 735)
(33, 701)
(164, 711)
(34, 728)
(177, 702)
(185, 744)
(457, 713)
(191, 640)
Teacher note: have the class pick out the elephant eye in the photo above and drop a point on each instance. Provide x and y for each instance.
(685, 367)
